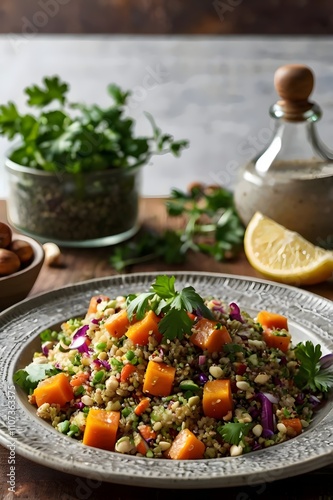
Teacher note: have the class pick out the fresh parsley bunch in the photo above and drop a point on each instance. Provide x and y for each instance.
(74, 137)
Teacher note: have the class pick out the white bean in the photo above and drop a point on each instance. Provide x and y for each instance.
(262, 378)
(123, 445)
(281, 428)
(193, 400)
(242, 385)
(164, 445)
(157, 426)
(257, 430)
(235, 450)
(86, 400)
(216, 371)
(112, 383)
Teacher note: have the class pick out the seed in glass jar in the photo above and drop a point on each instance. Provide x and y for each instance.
(23, 250)
(9, 262)
(5, 235)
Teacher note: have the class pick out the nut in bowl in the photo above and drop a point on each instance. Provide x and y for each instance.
(21, 259)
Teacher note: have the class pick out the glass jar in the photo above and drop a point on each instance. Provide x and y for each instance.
(74, 210)
(291, 181)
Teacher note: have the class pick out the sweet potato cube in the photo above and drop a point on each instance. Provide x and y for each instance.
(139, 332)
(272, 320)
(117, 324)
(210, 335)
(54, 390)
(101, 429)
(294, 426)
(274, 339)
(94, 301)
(217, 398)
(186, 446)
(158, 379)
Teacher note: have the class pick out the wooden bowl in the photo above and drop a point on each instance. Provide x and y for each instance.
(16, 286)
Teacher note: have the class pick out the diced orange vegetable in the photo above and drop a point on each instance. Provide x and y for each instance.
(94, 301)
(140, 444)
(117, 324)
(217, 398)
(142, 406)
(126, 372)
(158, 379)
(275, 340)
(294, 426)
(139, 332)
(209, 335)
(79, 379)
(101, 428)
(54, 390)
(147, 432)
(272, 320)
(191, 316)
(186, 446)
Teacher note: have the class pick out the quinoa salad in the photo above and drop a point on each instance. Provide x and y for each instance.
(169, 374)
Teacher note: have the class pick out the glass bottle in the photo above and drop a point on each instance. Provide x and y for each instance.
(291, 181)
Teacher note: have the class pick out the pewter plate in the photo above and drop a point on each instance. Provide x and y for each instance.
(310, 318)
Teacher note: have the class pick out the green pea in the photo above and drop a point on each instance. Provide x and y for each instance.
(77, 360)
(100, 346)
(63, 426)
(126, 411)
(73, 429)
(188, 385)
(98, 377)
(79, 390)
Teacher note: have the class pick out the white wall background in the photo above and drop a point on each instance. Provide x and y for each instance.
(213, 91)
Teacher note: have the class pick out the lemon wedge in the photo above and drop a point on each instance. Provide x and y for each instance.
(283, 255)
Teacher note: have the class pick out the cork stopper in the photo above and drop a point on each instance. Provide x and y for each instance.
(294, 84)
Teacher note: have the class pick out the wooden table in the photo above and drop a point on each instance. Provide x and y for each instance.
(35, 482)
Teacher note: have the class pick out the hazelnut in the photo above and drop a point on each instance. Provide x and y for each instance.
(23, 250)
(9, 262)
(5, 235)
(53, 256)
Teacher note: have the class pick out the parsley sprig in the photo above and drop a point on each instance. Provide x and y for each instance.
(58, 135)
(310, 374)
(234, 432)
(29, 377)
(148, 246)
(208, 224)
(163, 298)
(212, 223)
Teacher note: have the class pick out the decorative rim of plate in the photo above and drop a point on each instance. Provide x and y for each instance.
(36, 440)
